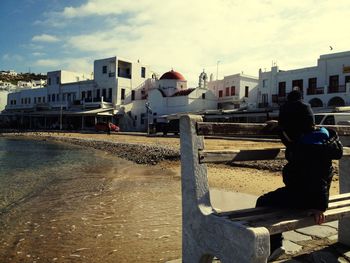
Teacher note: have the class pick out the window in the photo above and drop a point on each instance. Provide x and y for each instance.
(298, 83)
(334, 81)
(29, 100)
(57, 80)
(142, 118)
(264, 98)
(110, 93)
(53, 97)
(57, 97)
(265, 81)
(104, 93)
(132, 95)
(83, 95)
(203, 96)
(39, 99)
(143, 72)
(312, 83)
(220, 93)
(25, 100)
(347, 79)
(35, 100)
(22, 101)
(43, 99)
(49, 81)
(246, 94)
(104, 70)
(89, 94)
(233, 91)
(282, 89)
(227, 93)
(122, 95)
(98, 93)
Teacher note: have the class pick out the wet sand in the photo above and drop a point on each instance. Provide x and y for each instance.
(130, 215)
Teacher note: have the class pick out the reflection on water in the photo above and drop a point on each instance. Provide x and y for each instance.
(228, 201)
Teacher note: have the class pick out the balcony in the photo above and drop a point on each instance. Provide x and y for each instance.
(314, 91)
(337, 89)
(278, 98)
(263, 105)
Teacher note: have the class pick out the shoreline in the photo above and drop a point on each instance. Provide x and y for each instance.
(256, 177)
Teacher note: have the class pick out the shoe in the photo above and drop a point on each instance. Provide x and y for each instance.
(276, 254)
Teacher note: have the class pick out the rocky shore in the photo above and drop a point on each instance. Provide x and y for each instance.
(149, 154)
(140, 154)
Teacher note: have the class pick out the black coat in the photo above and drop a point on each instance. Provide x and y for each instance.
(309, 170)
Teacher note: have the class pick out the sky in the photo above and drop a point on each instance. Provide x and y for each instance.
(222, 37)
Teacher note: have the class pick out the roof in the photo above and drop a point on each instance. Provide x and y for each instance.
(184, 92)
(173, 75)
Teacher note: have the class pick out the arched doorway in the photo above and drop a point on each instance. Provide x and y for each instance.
(316, 102)
(336, 102)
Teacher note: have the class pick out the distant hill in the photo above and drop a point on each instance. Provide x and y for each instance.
(22, 77)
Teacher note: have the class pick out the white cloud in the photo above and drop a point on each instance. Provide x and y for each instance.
(47, 62)
(244, 35)
(38, 54)
(70, 64)
(45, 38)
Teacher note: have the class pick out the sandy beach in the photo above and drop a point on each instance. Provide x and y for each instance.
(129, 215)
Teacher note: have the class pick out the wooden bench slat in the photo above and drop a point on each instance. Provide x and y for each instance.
(229, 129)
(222, 156)
(277, 226)
(339, 197)
(251, 129)
(333, 203)
(283, 214)
(265, 216)
(245, 212)
(339, 204)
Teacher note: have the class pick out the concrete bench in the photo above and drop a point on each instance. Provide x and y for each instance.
(242, 235)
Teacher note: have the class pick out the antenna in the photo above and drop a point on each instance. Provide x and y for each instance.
(217, 69)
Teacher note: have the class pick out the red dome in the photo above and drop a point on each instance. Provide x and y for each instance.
(173, 75)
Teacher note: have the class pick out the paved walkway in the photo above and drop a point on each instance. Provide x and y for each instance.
(314, 244)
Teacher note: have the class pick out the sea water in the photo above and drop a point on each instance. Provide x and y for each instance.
(28, 166)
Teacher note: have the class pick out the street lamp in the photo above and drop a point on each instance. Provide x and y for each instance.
(149, 111)
(217, 69)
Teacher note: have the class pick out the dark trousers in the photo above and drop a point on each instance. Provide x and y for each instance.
(281, 197)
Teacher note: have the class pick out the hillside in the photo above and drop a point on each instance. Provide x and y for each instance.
(21, 77)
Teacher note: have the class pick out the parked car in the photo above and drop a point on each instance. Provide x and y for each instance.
(165, 127)
(106, 126)
(336, 118)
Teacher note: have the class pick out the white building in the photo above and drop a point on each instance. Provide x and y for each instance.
(325, 85)
(83, 98)
(235, 91)
(9, 72)
(166, 96)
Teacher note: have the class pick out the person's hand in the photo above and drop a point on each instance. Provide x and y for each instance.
(318, 216)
